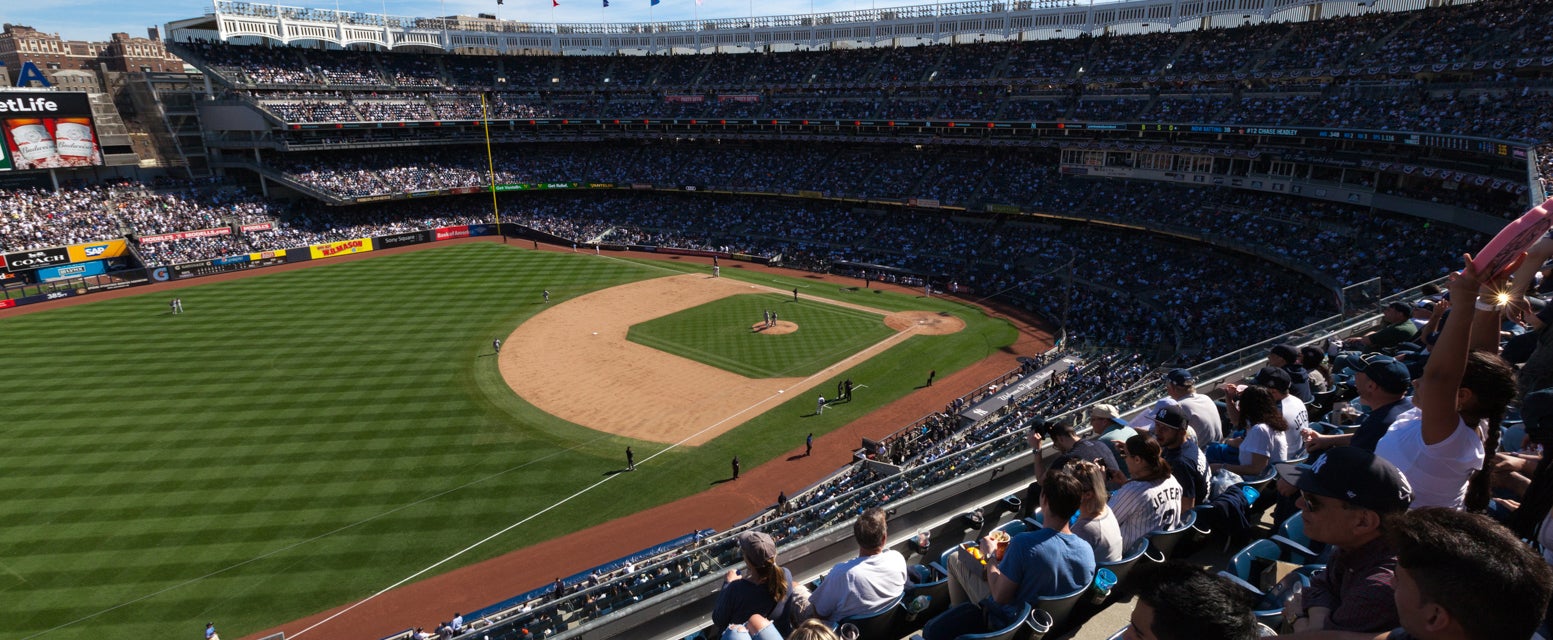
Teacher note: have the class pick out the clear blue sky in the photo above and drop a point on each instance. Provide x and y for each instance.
(95, 19)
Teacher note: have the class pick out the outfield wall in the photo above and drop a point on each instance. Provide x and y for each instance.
(43, 275)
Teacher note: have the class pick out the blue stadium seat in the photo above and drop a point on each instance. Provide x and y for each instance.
(881, 625)
(1165, 541)
(1297, 546)
(1061, 607)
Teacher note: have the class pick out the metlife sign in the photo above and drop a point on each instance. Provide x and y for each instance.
(44, 104)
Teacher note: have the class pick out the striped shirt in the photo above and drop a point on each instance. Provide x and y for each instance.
(1142, 507)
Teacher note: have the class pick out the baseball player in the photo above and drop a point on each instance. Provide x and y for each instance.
(546, 294)
(496, 345)
(821, 408)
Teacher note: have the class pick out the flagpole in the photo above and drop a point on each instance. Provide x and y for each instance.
(490, 160)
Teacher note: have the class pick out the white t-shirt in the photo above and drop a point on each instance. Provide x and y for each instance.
(1104, 534)
(1261, 439)
(1298, 419)
(1439, 472)
(860, 586)
(1203, 415)
(1142, 507)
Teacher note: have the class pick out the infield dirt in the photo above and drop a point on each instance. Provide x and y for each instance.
(574, 362)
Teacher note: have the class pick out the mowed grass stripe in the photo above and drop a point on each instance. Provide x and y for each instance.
(347, 409)
(718, 333)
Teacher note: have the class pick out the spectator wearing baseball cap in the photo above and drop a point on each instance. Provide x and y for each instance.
(1382, 384)
(1396, 328)
(1202, 414)
(1069, 447)
(1348, 497)
(1295, 415)
(765, 588)
(1108, 426)
(1187, 463)
(1286, 357)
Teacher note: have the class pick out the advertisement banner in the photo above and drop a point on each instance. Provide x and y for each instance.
(261, 226)
(483, 230)
(464, 190)
(601, 185)
(366, 199)
(7, 303)
(265, 255)
(95, 250)
(198, 233)
(401, 239)
(48, 130)
(78, 270)
(511, 187)
(449, 233)
(213, 267)
(23, 260)
(45, 297)
(342, 248)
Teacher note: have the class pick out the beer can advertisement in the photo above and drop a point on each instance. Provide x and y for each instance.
(52, 143)
(48, 130)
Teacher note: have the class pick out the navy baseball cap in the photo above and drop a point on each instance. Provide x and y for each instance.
(1273, 378)
(1287, 352)
(1355, 476)
(1180, 377)
(1171, 415)
(1388, 373)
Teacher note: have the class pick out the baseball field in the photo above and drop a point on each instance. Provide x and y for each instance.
(296, 441)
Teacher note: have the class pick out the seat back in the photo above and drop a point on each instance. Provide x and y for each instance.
(937, 593)
(1061, 607)
(1129, 560)
(1165, 541)
(880, 625)
(1006, 633)
(1240, 563)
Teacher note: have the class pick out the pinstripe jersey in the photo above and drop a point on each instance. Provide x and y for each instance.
(1142, 507)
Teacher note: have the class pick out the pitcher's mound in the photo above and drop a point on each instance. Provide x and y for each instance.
(781, 327)
(930, 323)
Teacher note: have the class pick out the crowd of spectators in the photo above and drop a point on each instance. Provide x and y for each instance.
(1084, 78)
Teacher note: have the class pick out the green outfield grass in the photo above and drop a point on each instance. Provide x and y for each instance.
(718, 333)
(299, 440)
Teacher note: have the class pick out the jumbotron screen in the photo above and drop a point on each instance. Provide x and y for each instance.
(47, 130)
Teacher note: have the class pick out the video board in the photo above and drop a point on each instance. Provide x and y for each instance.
(47, 130)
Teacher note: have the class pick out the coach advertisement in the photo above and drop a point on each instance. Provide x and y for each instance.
(24, 260)
(341, 248)
(401, 239)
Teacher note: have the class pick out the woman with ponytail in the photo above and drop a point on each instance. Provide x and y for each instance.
(764, 588)
(1444, 443)
(1152, 499)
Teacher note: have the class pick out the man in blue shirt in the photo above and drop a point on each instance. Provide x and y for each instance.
(1047, 562)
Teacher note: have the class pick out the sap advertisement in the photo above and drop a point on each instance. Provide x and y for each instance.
(47, 130)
